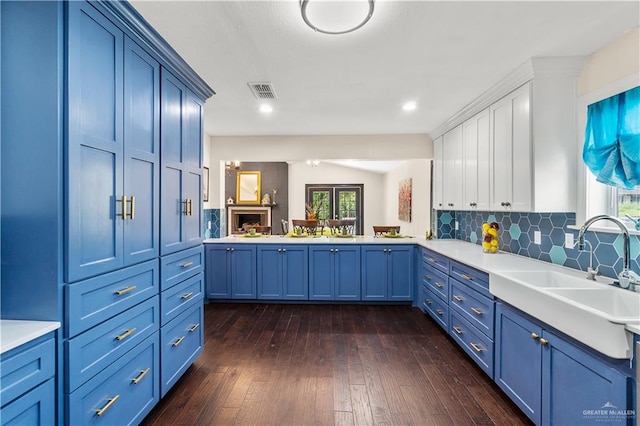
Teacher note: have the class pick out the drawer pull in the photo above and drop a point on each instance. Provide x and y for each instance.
(543, 341)
(476, 311)
(125, 290)
(194, 328)
(140, 376)
(431, 259)
(187, 295)
(457, 298)
(466, 277)
(108, 405)
(186, 264)
(439, 312)
(534, 336)
(427, 301)
(427, 277)
(177, 342)
(126, 334)
(438, 284)
(458, 330)
(476, 347)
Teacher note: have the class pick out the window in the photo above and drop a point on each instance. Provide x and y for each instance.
(627, 202)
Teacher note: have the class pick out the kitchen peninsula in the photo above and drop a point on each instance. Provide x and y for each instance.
(463, 289)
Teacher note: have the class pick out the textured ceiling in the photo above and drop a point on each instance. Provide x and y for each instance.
(441, 54)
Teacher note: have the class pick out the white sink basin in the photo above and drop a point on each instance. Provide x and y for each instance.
(621, 306)
(549, 279)
(593, 313)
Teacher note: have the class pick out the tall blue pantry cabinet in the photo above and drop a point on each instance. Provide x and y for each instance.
(101, 161)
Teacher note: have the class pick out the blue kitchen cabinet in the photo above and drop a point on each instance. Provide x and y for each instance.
(230, 271)
(334, 272)
(283, 272)
(387, 272)
(181, 130)
(555, 380)
(27, 394)
(113, 147)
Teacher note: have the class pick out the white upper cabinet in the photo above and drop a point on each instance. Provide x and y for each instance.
(452, 173)
(475, 162)
(510, 160)
(519, 152)
(438, 169)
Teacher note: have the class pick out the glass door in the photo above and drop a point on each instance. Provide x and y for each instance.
(339, 201)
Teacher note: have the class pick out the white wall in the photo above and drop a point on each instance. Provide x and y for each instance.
(419, 172)
(301, 148)
(374, 197)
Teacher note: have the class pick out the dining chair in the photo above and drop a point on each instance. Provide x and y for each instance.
(305, 226)
(285, 226)
(338, 225)
(379, 230)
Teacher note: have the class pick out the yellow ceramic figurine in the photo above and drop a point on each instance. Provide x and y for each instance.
(490, 237)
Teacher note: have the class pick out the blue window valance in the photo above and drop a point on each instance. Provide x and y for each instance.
(612, 140)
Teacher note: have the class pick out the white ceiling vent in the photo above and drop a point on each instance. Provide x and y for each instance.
(262, 90)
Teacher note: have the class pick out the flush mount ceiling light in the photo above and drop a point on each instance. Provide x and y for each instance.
(336, 16)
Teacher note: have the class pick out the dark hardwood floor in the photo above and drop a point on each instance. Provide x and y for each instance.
(330, 364)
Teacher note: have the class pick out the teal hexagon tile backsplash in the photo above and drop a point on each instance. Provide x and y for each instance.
(517, 233)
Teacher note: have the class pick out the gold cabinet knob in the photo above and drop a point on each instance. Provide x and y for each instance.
(534, 336)
(543, 341)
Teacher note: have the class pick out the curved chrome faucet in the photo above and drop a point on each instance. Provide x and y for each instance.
(627, 277)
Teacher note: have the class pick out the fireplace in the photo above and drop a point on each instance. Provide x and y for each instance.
(237, 216)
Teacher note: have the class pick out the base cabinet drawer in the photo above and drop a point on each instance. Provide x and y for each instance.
(179, 266)
(122, 393)
(182, 342)
(181, 297)
(25, 367)
(473, 341)
(36, 407)
(435, 307)
(94, 350)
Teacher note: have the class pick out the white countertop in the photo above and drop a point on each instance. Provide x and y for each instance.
(281, 239)
(14, 333)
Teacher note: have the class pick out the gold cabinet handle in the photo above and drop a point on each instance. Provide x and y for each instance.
(187, 295)
(439, 312)
(132, 210)
(186, 264)
(126, 334)
(457, 298)
(476, 347)
(194, 328)
(466, 277)
(428, 301)
(431, 259)
(476, 311)
(458, 330)
(438, 284)
(140, 376)
(177, 342)
(125, 290)
(123, 207)
(543, 341)
(186, 207)
(190, 207)
(108, 405)
(534, 336)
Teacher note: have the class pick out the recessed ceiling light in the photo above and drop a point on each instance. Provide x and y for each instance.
(409, 106)
(266, 108)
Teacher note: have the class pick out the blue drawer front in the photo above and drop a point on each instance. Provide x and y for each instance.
(179, 298)
(437, 281)
(474, 342)
(25, 367)
(36, 407)
(99, 347)
(435, 260)
(93, 301)
(130, 383)
(473, 306)
(179, 266)
(182, 342)
(435, 307)
(477, 280)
